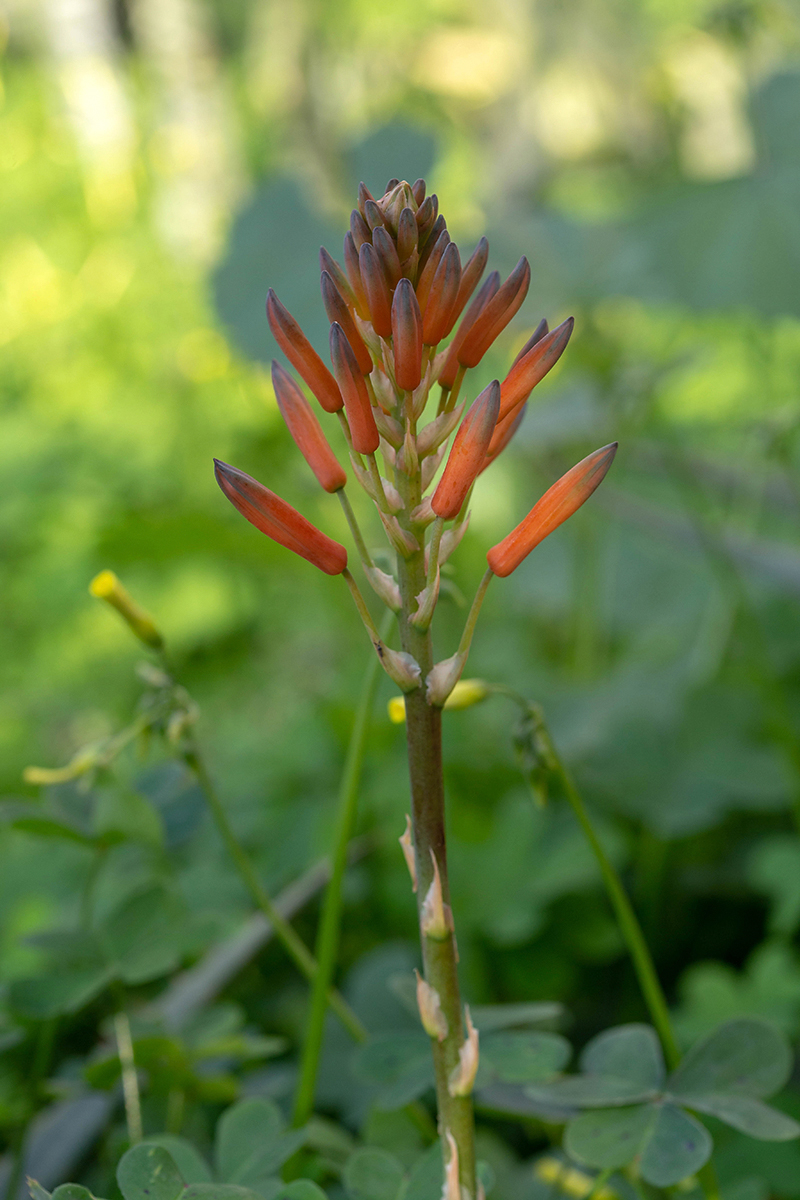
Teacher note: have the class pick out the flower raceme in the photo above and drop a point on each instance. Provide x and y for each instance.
(400, 291)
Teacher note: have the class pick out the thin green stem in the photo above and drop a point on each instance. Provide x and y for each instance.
(599, 1183)
(628, 923)
(363, 611)
(474, 613)
(292, 943)
(331, 917)
(355, 530)
(433, 551)
(130, 1079)
(377, 483)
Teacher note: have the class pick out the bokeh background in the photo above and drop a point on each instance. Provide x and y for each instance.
(163, 162)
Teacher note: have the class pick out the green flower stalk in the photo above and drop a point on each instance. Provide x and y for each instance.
(402, 290)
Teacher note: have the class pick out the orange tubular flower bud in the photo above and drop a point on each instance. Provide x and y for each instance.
(360, 229)
(429, 267)
(489, 288)
(418, 190)
(557, 504)
(407, 234)
(539, 332)
(337, 310)
(467, 454)
(376, 289)
(496, 315)
(426, 214)
(354, 276)
(503, 433)
(470, 275)
(406, 337)
(373, 215)
(305, 429)
(440, 308)
(364, 194)
(532, 367)
(279, 520)
(363, 429)
(328, 263)
(302, 355)
(387, 255)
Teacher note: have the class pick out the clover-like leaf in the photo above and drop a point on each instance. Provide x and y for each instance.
(669, 1143)
(251, 1143)
(748, 1115)
(747, 1056)
(677, 1145)
(191, 1164)
(609, 1139)
(522, 1056)
(372, 1174)
(630, 1052)
(401, 1062)
(149, 1172)
(591, 1091)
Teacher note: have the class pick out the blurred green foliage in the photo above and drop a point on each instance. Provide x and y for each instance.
(645, 156)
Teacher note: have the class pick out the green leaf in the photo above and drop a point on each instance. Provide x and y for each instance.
(228, 1191)
(301, 1189)
(746, 1055)
(145, 935)
(372, 1174)
(629, 1052)
(489, 1017)
(677, 1145)
(427, 1176)
(251, 1143)
(54, 995)
(747, 1114)
(72, 1191)
(400, 1061)
(609, 1139)
(36, 1191)
(122, 815)
(413, 1083)
(591, 1091)
(33, 818)
(191, 1164)
(148, 1172)
(386, 1057)
(523, 1057)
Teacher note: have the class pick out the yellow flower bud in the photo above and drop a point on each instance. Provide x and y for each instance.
(106, 586)
(465, 693)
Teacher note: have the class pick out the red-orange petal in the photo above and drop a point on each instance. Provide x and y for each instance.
(337, 309)
(438, 318)
(488, 289)
(557, 504)
(467, 453)
(470, 275)
(306, 431)
(363, 429)
(503, 433)
(406, 337)
(533, 366)
(279, 521)
(376, 289)
(496, 315)
(302, 355)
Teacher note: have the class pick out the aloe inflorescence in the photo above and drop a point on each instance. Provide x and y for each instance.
(395, 383)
